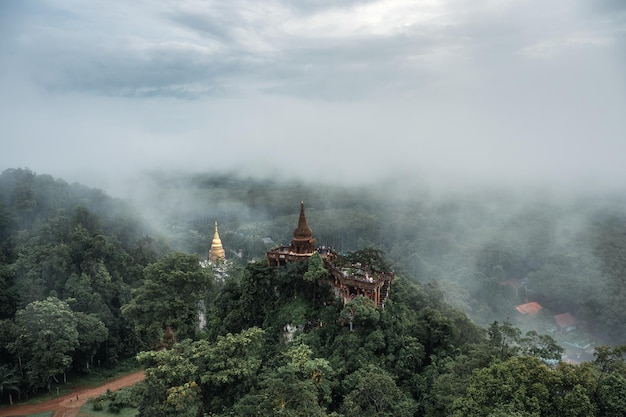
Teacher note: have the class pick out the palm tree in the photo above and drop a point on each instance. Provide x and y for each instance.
(9, 381)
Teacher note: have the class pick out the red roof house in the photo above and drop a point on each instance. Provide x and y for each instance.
(529, 309)
(566, 322)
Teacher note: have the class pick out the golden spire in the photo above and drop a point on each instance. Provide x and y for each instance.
(217, 251)
(303, 231)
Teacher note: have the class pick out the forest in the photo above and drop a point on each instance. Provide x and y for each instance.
(87, 281)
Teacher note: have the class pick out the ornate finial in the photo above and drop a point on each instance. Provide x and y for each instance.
(302, 231)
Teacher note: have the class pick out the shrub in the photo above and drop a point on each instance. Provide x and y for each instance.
(97, 405)
(121, 399)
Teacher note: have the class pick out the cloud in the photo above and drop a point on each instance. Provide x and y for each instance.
(209, 47)
(519, 90)
(333, 51)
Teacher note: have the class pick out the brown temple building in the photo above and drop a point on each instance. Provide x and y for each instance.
(348, 280)
(217, 250)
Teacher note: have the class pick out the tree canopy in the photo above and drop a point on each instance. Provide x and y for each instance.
(85, 283)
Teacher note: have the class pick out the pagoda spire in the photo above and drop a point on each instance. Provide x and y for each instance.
(303, 231)
(217, 250)
(303, 241)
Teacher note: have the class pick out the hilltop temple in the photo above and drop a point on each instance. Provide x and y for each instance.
(348, 280)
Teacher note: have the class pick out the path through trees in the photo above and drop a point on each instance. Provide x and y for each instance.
(69, 405)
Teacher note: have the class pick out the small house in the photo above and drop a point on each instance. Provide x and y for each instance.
(529, 309)
(566, 322)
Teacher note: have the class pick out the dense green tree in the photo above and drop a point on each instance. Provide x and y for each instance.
(611, 395)
(90, 250)
(91, 333)
(540, 346)
(526, 386)
(520, 384)
(169, 297)
(82, 296)
(404, 354)
(503, 339)
(226, 314)
(436, 330)
(259, 292)
(376, 394)
(201, 375)
(610, 359)
(360, 313)
(301, 387)
(9, 382)
(281, 393)
(369, 257)
(170, 373)
(47, 338)
(8, 297)
(315, 272)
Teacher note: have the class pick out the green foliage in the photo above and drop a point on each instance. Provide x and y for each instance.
(200, 375)
(518, 385)
(612, 396)
(91, 333)
(610, 359)
(369, 257)
(169, 297)
(128, 397)
(183, 400)
(360, 313)
(503, 339)
(9, 382)
(8, 296)
(47, 336)
(97, 405)
(540, 346)
(281, 393)
(316, 270)
(417, 356)
(301, 387)
(376, 394)
(79, 246)
(526, 386)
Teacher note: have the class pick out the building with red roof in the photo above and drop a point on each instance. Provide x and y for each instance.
(566, 322)
(529, 309)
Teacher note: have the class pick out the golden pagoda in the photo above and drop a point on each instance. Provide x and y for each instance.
(217, 250)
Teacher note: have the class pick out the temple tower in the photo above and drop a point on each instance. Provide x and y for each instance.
(303, 241)
(349, 280)
(217, 250)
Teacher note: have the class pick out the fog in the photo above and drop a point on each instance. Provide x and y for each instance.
(460, 92)
(451, 133)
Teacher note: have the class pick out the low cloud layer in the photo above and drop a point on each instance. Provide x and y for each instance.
(349, 91)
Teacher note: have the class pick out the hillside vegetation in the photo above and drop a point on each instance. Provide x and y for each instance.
(566, 248)
(85, 282)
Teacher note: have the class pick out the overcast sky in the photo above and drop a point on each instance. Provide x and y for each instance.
(351, 90)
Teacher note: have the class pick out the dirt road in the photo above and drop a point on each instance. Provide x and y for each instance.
(69, 405)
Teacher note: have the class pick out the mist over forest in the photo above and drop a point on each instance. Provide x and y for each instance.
(90, 283)
(563, 244)
(473, 147)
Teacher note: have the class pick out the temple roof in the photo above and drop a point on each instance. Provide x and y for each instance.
(303, 231)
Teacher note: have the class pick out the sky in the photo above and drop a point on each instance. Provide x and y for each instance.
(513, 91)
